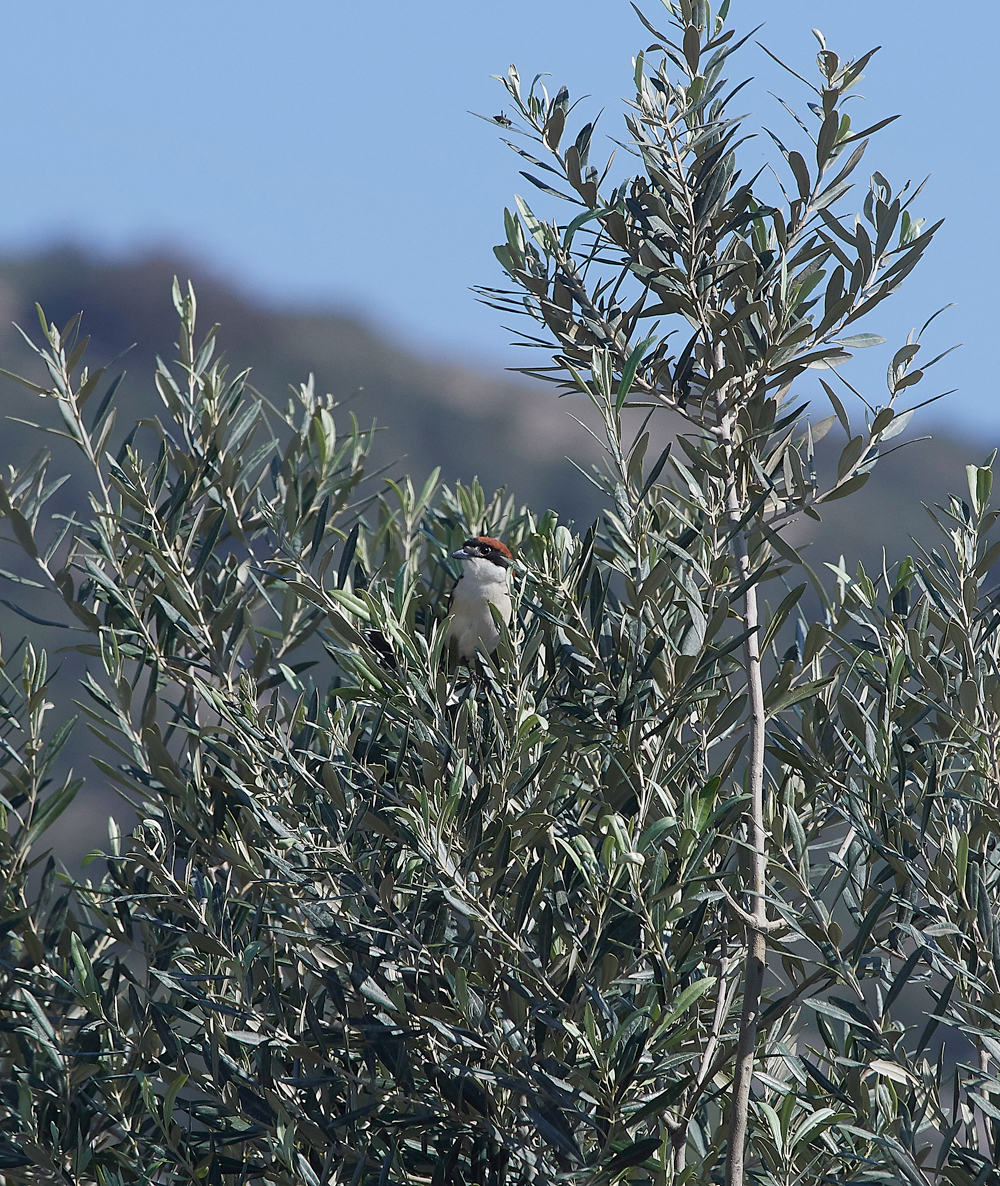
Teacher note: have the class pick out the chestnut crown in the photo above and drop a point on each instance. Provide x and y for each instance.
(485, 547)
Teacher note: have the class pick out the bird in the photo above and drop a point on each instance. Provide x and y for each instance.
(486, 565)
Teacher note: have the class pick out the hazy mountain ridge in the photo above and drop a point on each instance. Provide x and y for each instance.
(504, 429)
(499, 427)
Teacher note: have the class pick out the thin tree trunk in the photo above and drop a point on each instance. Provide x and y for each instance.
(753, 973)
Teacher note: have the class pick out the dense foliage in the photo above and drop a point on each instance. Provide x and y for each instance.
(675, 884)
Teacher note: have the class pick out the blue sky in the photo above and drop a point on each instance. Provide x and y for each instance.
(319, 151)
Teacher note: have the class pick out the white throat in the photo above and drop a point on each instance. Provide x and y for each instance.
(478, 575)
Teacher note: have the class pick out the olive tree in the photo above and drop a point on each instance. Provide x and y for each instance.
(587, 909)
(764, 290)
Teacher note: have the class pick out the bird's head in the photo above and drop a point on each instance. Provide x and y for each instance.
(485, 547)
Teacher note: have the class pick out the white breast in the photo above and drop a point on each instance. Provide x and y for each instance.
(472, 626)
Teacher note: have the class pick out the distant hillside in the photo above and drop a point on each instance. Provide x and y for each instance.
(889, 512)
(431, 413)
(505, 430)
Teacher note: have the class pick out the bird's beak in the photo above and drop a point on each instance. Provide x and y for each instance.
(461, 554)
